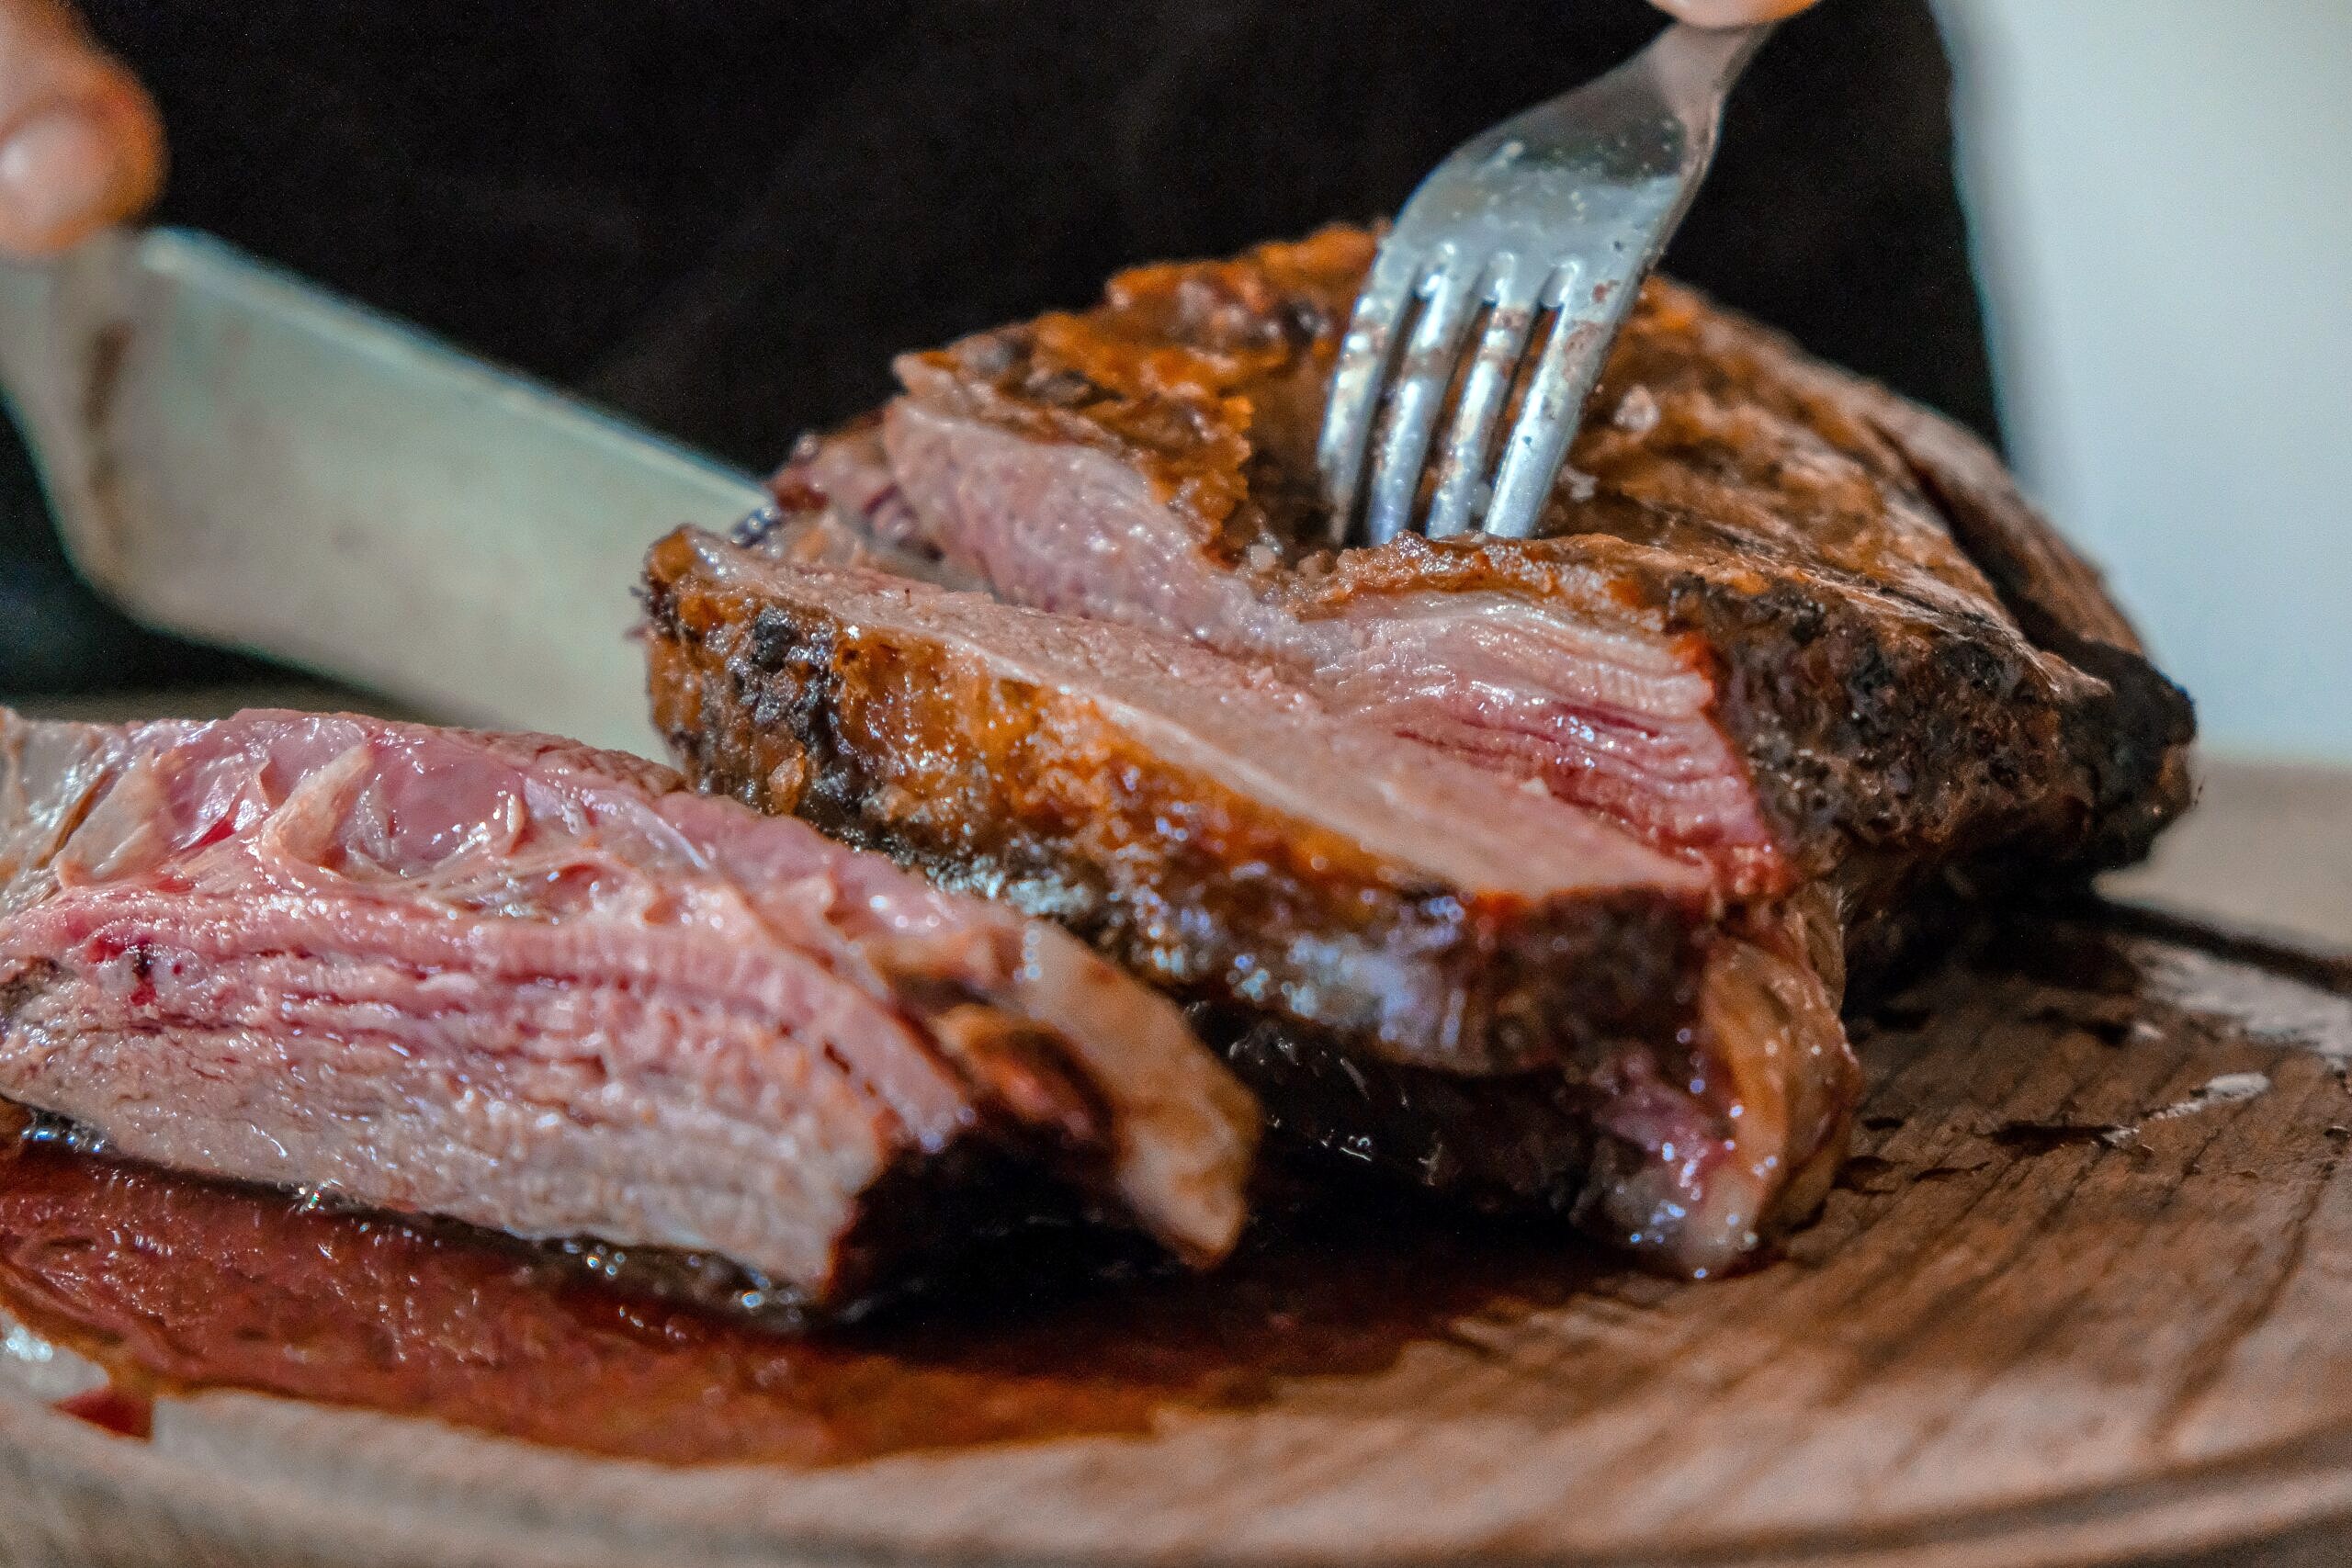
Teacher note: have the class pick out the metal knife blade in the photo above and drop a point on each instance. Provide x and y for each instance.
(238, 456)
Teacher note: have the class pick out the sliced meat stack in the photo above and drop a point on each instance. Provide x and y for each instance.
(1407, 920)
(1531, 869)
(549, 990)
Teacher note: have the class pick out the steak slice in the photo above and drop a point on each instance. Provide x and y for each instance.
(1150, 793)
(548, 990)
(1369, 923)
(1781, 621)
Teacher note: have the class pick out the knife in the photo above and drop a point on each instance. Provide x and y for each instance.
(234, 453)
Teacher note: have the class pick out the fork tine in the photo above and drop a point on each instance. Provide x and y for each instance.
(1462, 459)
(1591, 183)
(1356, 382)
(1423, 375)
(1547, 420)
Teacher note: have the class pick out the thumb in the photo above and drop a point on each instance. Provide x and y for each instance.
(80, 143)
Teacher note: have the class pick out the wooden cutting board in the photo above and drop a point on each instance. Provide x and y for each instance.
(2084, 1296)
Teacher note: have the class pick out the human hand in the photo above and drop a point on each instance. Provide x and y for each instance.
(80, 143)
(1730, 13)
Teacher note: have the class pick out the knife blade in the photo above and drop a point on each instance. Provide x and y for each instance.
(238, 456)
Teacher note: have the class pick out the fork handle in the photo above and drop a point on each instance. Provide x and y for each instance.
(1695, 66)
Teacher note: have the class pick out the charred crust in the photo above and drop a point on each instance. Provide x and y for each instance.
(2129, 742)
(1852, 743)
(774, 638)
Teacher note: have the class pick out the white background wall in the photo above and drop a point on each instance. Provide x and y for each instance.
(2161, 198)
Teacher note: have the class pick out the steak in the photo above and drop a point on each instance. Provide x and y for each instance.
(549, 990)
(1366, 921)
(1780, 620)
(1803, 641)
(1145, 790)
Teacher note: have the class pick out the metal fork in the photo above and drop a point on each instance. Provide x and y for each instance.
(1561, 208)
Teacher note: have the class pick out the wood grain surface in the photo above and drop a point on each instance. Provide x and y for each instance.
(2084, 1295)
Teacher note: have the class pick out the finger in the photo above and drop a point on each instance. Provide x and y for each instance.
(80, 143)
(1730, 13)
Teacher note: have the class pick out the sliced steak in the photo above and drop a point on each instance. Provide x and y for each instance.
(549, 990)
(1207, 822)
(1783, 629)
(1402, 921)
(1782, 620)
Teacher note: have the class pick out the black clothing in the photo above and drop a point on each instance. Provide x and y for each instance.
(724, 218)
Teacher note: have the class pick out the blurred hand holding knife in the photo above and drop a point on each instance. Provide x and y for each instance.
(238, 456)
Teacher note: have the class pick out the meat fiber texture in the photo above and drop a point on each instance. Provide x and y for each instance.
(1801, 641)
(550, 992)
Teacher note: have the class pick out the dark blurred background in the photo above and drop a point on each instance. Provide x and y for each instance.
(724, 218)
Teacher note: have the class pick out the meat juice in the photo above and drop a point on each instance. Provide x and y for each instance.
(176, 1284)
